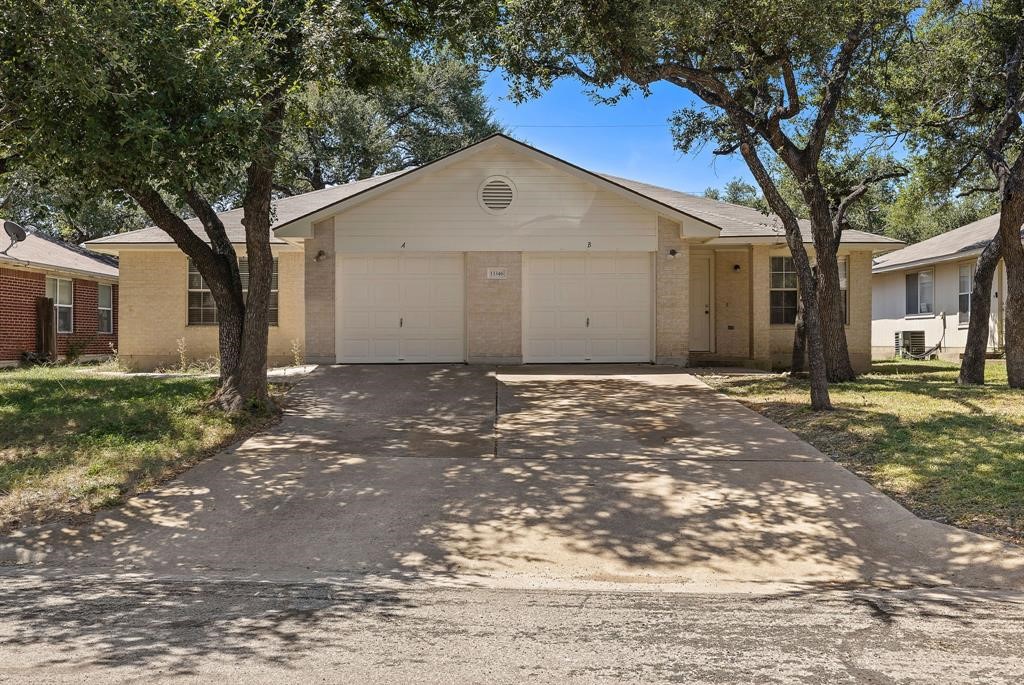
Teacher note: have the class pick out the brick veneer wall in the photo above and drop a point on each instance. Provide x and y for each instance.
(18, 292)
(86, 321)
(494, 309)
(672, 296)
(319, 294)
(154, 310)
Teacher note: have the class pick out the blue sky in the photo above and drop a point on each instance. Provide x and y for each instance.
(630, 139)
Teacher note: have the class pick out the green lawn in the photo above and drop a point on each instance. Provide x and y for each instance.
(72, 441)
(950, 453)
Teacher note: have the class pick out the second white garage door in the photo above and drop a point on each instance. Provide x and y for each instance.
(589, 307)
(400, 308)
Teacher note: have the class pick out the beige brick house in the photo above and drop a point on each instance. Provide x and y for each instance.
(500, 253)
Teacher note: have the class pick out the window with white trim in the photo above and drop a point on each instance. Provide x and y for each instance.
(921, 293)
(782, 291)
(966, 286)
(105, 308)
(844, 287)
(62, 292)
(202, 310)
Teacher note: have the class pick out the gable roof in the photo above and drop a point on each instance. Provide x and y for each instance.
(302, 226)
(738, 221)
(967, 241)
(294, 216)
(41, 251)
(286, 209)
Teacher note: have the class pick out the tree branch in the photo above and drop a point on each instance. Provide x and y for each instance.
(835, 85)
(858, 191)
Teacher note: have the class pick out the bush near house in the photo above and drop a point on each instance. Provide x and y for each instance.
(950, 453)
(72, 441)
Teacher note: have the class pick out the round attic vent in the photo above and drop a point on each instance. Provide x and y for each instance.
(496, 194)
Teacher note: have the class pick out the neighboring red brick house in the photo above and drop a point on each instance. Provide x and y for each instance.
(82, 285)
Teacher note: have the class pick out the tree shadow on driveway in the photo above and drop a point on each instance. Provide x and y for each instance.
(425, 476)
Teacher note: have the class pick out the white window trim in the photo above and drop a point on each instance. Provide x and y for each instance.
(245, 291)
(919, 314)
(771, 289)
(56, 307)
(845, 292)
(970, 285)
(105, 309)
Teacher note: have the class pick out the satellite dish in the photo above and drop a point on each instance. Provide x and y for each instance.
(14, 231)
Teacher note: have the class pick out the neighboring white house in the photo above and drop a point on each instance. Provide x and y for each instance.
(923, 292)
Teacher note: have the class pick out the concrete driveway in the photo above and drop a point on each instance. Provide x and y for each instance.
(537, 477)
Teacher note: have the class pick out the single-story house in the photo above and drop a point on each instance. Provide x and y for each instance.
(922, 293)
(499, 253)
(83, 287)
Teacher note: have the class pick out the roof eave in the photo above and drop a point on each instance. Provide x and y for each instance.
(10, 262)
(927, 261)
(302, 227)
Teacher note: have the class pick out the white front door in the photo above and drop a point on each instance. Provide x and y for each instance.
(700, 303)
(400, 307)
(587, 307)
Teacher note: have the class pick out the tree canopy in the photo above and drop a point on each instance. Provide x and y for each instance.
(777, 83)
(171, 102)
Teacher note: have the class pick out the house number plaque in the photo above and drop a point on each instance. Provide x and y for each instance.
(497, 273)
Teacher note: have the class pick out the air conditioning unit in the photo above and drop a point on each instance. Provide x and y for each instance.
(911, 342)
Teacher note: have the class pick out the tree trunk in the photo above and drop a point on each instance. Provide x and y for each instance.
(972, 367)
(833, 322)
(1010, 220)
(820, 400)
(830, 297)
(799, 339)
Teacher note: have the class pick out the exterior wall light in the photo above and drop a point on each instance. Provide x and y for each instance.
(673, 253)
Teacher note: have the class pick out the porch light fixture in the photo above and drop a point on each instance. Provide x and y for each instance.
(735, 267)
(672, 253)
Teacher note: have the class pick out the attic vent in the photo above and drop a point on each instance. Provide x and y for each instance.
(496, 194)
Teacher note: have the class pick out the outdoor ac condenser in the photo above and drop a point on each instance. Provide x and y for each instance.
(909, 342)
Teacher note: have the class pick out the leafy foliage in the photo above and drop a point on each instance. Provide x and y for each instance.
(339, 134)
(739, 192)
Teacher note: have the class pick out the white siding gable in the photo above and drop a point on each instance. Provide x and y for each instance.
(439, 210)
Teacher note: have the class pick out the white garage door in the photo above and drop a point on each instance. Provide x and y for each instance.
(588, 307)
(400, 308)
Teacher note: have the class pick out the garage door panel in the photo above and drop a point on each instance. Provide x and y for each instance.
(402, 307)
(446, 321)
(635, 321)
(572, 349)
(355, 348)
(639, 265)
(541, 320)
(385, 348)
(353, 266)
(563, 291)
(450, 265)
(570, 292)
(449, 291)
(568, 265)
(572, 321)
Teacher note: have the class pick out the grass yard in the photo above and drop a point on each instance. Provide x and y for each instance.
(949, 453)
(72, 441)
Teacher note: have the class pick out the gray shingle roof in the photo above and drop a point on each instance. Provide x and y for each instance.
(735, 221)
(42, 251)
(285, 209)
(960, 242)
